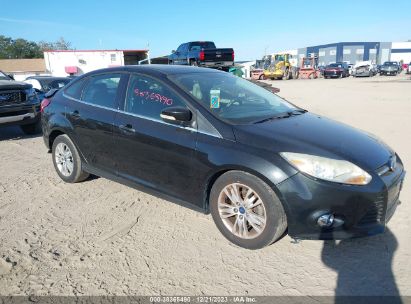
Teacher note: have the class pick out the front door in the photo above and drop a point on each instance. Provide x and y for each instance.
(148, 150)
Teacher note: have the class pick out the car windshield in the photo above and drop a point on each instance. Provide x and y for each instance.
(390, 63)
(232, 99)
(4, 76)
(335, 65)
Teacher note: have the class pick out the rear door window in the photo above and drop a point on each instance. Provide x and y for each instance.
(75, 89)
(102, 90)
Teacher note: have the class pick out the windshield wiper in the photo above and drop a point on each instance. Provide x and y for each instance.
(283, 115)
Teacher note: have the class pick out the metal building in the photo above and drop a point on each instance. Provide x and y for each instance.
(350, 52)
(353, 52)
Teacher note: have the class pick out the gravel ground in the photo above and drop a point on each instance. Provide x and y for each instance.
(102, 238)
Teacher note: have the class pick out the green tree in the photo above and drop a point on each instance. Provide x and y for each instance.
(21, 48)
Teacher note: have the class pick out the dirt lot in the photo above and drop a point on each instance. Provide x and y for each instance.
(102, 238)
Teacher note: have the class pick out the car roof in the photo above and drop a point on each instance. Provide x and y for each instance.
(47, 77)
(163, 69)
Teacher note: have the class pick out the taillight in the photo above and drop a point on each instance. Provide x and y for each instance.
(44, 104)
(232, 55)
(202, 55)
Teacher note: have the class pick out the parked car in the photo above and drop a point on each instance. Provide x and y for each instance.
(221, 144)
(19, 105)
(389, 68)
(204, 54)
(364, 68)
(43, 84)
(334, 70)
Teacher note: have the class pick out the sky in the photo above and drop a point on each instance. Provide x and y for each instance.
(252, 27)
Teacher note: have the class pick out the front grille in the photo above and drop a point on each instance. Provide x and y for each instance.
(374, 214)
(12, 97)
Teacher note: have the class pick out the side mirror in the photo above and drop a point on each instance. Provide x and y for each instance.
(176, 115)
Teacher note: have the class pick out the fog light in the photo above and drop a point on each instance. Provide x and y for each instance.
(326, 220)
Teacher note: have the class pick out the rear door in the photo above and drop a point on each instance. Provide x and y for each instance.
(92, 117)
(148, 150)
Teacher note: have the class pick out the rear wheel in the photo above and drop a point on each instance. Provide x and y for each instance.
(67, 161)
(246, 210)
(193, 63)
(32, 129)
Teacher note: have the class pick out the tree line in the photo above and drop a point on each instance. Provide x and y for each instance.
(21, 48)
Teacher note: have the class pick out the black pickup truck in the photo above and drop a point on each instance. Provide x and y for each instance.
(19, 105)
(202, 53)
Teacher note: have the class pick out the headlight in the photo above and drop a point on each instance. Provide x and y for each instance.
(333, 170)
(30, 94)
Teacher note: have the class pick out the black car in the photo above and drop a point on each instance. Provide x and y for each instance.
(221, 144)
(389, 68)
(336, 70)
(43, 84)
(19, 105)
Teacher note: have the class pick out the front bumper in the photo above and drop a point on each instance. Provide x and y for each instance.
(388, 72)
(362, 210)
(364, 73)
(332, 73)
(20, 114)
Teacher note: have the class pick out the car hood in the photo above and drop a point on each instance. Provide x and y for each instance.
(13, 85)
(316, 135)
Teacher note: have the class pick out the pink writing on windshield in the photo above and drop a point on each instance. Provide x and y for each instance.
(154, 97)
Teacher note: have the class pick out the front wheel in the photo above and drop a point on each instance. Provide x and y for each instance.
(67, 161)
(246, 210)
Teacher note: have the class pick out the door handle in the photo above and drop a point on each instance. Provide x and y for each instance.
(127, 128)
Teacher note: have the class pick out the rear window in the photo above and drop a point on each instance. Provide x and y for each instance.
(101, 90)
(74, 90)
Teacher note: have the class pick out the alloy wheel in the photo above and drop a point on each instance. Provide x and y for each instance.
(64, 159)
(242, 211)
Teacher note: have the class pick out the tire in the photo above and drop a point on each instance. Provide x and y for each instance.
(170, 62)
(266, 206)
(193, 63)
(74, 172)
(262, 77)
(32, 129)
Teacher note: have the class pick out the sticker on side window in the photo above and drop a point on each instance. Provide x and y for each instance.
(214, 99)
